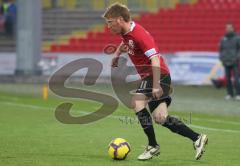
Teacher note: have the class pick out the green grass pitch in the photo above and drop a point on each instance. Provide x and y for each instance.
(31, 136)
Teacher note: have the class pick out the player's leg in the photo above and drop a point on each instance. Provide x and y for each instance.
(159, 109)
(228, 70)
(160, 116)
(139, 104)
(236, 81)
(144, 117)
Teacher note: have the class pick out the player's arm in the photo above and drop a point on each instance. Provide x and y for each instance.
(157, 90)
(148, 45)
(119, 49)
(117, 54)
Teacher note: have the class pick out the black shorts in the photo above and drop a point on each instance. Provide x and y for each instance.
(165, 82)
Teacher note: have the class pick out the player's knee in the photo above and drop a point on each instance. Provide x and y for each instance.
(138, 108)
(133, 104)
(138, 105)
(161, 119)
(160, 116)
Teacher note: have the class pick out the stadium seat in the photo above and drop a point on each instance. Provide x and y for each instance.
(193, 27)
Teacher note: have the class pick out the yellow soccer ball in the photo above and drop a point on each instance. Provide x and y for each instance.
(118, 149)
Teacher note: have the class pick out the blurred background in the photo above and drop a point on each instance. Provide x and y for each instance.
(38, 37)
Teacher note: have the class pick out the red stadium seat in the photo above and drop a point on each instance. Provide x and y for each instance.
(193, 27)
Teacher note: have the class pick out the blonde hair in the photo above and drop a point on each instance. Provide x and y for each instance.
(117, 10)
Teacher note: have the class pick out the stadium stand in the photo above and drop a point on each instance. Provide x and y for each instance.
(84, 17)
(71, 28)
(68, 21)
(184, 28)
(59, 23)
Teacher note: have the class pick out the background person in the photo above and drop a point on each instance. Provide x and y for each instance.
(229, 56)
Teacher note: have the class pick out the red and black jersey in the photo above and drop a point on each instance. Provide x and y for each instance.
(141, 48)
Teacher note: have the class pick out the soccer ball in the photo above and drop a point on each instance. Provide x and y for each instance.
(118, 149)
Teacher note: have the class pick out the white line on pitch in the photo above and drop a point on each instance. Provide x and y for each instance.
(112, 116)
(214, 129)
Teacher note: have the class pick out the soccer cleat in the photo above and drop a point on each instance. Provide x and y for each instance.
(149, 152)
(228, 97)
(199, 146)
(237, 98)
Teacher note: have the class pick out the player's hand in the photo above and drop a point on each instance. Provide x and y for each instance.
(124, 48)
(115, 62)
(157, 92)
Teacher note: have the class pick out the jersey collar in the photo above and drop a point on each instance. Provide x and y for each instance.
(131, 27)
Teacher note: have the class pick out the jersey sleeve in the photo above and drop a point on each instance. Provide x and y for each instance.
(147, 44)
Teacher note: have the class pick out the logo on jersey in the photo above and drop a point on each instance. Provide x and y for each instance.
(131, 47)
(131, 44)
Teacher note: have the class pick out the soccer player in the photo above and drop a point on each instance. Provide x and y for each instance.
(154, 72)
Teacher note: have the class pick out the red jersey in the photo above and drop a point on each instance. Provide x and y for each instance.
(141, 48)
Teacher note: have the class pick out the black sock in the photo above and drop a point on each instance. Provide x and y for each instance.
(177, 126)
(147, 125)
